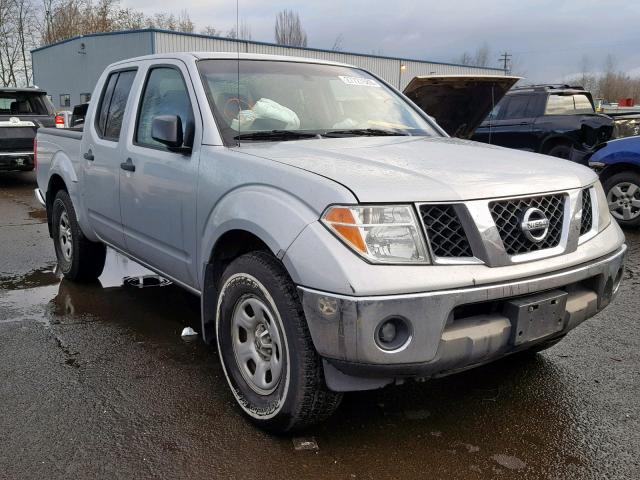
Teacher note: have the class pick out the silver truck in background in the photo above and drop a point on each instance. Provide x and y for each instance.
(338, 239)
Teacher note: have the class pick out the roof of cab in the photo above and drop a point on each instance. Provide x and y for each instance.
(191, 56)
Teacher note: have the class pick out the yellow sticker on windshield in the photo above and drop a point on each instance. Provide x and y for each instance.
(359, 81)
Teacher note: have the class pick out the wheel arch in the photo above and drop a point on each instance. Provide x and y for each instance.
(56, 183)
(229, 246)
(618, 167)
(554, 140)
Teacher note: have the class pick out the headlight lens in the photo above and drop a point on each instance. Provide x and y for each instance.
(381, 234)
(604, 215)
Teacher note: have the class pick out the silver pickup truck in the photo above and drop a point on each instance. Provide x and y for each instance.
(339, 240)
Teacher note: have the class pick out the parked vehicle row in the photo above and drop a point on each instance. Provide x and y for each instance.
(338, 239)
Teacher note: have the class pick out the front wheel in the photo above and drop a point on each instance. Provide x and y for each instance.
(79, 259)
(265, 347)
(623, 197)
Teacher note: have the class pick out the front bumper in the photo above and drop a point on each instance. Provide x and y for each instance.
(12, 161)
(450, 329)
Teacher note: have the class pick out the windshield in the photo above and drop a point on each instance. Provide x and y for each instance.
(24, 103)
(273, 97)
(568, 104)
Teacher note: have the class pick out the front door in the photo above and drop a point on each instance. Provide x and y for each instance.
(513, 127)
(100, 153)
(157, 185)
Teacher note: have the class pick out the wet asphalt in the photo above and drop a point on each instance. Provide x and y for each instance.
(96, 382)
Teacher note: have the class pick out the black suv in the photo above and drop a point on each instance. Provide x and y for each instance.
(551, 119)
(22, 112)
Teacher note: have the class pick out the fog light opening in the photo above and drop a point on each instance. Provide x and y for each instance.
(393, 333)
(618, 280)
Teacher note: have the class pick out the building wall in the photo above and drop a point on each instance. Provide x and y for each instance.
(68, 68)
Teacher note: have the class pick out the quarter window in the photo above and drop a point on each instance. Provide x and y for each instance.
(113, 104)
(568, 104)
(164, 94)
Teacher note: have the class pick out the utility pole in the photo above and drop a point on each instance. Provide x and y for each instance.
(505, 59)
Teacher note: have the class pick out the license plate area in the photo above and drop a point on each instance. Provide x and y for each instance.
(536, 316)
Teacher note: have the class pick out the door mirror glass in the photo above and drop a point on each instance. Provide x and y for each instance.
(167, 129)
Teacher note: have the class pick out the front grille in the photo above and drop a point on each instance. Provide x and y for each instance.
(507, 214)
(445, 232)
(587, 212)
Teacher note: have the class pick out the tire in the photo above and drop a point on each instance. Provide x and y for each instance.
(623, 191)
(277, 378)
(79, 259)
(561, 151)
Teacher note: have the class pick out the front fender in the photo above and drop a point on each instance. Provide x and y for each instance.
(271, 214)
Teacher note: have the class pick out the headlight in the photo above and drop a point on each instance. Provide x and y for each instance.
(604, 216)
(381, 234)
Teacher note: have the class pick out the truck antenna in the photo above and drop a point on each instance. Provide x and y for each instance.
(238, 52)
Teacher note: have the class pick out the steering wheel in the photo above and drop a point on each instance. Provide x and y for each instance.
(233, 106)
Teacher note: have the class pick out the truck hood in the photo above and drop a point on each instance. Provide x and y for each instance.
(412, 169)
(459, 103)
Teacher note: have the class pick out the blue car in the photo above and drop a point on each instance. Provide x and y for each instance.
(618, 164)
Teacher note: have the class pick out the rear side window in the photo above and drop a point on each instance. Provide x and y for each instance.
(113, 104)
(165, 93)
(516, 107)
(568, 105)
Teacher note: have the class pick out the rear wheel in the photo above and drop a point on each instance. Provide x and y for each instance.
(623, 197)
(78, 258)
(560, 151)
(265, 347)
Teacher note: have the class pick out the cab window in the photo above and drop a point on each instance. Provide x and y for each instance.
(165, 93)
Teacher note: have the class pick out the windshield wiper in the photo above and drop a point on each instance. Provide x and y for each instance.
(370, 132)
(275, 135)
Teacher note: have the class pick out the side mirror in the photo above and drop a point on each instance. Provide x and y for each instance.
(167, 129)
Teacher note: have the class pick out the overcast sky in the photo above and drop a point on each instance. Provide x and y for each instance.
(548, 39)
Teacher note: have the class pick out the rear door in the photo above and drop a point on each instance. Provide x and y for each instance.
(158, 186)
(101, 153)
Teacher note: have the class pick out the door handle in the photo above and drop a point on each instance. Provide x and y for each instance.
(128, 165)
(89, 156)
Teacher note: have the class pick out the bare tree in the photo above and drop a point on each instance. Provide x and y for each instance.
(288, 29)
(337, 44)
(480, 58)
(210, 30)
(242, 31)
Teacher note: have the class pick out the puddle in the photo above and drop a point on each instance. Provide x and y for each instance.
(46, 297)
(47, 275)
